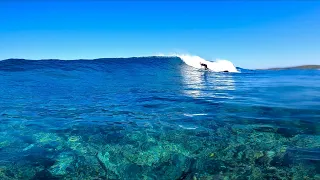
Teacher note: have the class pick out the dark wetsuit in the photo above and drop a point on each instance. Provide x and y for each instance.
(204, 65)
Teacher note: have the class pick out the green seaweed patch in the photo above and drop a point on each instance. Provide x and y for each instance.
(74, 138)
(47, 137)
(4, 143)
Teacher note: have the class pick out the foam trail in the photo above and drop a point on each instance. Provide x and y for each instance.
(194, 61)
(192, 115)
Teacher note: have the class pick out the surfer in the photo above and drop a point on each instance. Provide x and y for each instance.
(204, 65)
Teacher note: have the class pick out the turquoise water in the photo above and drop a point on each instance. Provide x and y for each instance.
(156, 118)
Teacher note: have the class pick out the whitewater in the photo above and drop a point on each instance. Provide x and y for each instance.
(220, 65)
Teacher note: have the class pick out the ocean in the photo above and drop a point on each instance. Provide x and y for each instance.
(156, 118)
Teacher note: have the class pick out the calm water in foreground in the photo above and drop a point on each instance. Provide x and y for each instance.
(156, 118)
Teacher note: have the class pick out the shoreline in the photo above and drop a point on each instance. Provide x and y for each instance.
(308, 67)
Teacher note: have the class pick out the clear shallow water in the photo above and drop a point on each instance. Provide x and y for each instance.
(156, 118)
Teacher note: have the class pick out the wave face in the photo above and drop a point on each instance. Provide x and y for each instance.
(156, 118)
(190, 60)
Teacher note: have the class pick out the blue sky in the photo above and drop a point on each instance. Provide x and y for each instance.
(251, 34)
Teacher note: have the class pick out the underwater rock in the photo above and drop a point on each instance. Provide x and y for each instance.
(177, 167)
(152, 156)
(287, 132)
(270, 154)
(256, 173)
(134, 171)
(265, 129)
(258, 155)
(277, 161)
(44, 174)
(185, 175)
(63, 162)
(262, 161)
(306, 141)
(38, 156)
(5, 173)
(110, 168)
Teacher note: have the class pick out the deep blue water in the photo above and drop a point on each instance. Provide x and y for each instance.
(156, 118)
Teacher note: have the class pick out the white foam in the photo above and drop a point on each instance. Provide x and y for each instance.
(188, 128)
(192, 115)
(197, 83)
(219, 65)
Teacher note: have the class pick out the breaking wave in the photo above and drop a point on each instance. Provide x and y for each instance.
(191, 60)
(195, 61)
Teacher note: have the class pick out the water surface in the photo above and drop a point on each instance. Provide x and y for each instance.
(156, 118)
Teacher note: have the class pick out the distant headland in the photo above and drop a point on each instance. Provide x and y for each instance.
(294, 67)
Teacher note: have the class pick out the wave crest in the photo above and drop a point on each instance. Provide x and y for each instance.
(219, 65)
